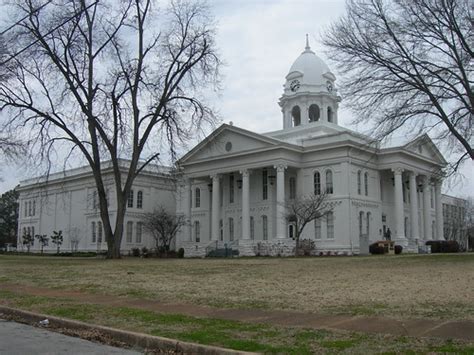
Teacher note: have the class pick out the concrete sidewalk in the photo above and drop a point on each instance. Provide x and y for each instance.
(444, 329)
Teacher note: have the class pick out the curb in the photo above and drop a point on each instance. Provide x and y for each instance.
(131, 339)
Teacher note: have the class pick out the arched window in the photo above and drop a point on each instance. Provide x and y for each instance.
(359, 182)
(330, 115)
(292, 188)
(231, 229)
(130, 199)
(138, 235)
(368, 224)
(99, 232)
(329, 184)
(361, 222)
(197, 231)
(317, 228)
(366, 184)
(317, 183)
(265, 227)
(197, 197)
(313, 113)
(252, 228)
(93, 232)
(296, 114)
(140, 199)
(129, 231)
(330, 225)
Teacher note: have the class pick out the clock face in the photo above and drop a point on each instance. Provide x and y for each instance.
(329, 86)
(294, 85)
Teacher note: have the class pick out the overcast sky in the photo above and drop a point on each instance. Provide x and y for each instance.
(259, 40)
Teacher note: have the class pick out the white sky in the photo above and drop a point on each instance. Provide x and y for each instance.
(259, 40)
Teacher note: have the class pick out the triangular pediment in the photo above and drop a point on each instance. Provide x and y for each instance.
(228, 141)
(425, 147)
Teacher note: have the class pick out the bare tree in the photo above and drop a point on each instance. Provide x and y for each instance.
(106, 80)
(163, 227)
(407, 64)
(43, 240)
(305, 209)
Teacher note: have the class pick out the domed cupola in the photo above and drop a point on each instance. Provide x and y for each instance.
(310, 94)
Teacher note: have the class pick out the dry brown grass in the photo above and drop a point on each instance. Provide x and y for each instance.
(433, 286)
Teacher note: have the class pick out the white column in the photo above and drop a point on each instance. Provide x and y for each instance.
(280, 202)
(415, 233)
(439, 211)
(399, 214)
(216, 206)
(187, 209)
(245, 204)
(427, 208)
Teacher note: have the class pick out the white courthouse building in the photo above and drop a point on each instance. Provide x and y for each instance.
(236, 182)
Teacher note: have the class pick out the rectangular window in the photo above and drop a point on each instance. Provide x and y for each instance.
(366, 184)
(197, 197)
(265, 227)
(33, 231)
(221, 229)
(231, 188)
(264, 184)
(368, 223)
(129, 232)
(93, 230)
(252, 228)
(231, 229)
(99, 232)
(29, 208)
(431, 197)
(130, 199)
(197, 231)
(34, 208)
(94, 199)
(292, 188)
(317, 228)
(330, 225)
(139, 199)
(138, 235)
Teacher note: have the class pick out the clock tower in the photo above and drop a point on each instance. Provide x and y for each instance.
(310, 94)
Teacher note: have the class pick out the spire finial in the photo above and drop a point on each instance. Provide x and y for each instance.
(307, 43)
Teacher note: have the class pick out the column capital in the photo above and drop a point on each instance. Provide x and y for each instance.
(215, 176)
(397, 171)
(245, 172)
(280, 167)
(413, 173)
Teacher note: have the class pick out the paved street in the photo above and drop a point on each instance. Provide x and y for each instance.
(21, 339)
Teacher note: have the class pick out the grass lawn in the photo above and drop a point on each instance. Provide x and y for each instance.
(407, 286)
